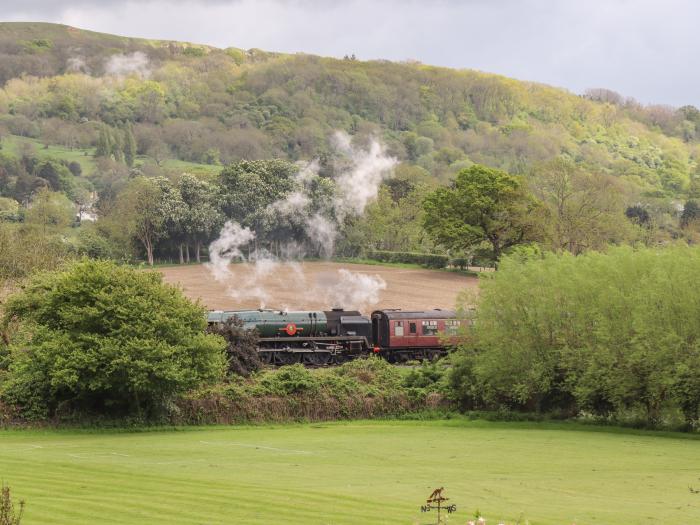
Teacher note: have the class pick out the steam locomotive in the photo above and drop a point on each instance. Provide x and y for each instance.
(318, 338)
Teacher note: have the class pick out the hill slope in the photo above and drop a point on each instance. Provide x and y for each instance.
(206, 105)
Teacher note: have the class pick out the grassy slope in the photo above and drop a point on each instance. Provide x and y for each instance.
(12, 144)
(355, 473)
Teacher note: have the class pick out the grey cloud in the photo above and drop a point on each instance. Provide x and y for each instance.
(641, 48)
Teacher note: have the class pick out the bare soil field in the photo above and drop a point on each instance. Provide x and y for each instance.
(302, 287)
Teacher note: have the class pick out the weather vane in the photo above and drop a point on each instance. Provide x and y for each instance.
(436, 501)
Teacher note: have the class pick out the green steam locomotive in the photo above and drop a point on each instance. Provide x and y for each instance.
(318, 338)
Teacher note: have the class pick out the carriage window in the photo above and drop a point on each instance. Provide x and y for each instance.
(451, 326)
(412, 328)
(430, 328)
(398, 328)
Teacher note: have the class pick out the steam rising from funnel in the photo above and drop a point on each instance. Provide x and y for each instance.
(352, 290)
(355, 187)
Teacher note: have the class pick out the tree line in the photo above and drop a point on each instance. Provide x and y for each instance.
(613, 335)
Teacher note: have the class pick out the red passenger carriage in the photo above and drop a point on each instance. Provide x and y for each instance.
(401, 336)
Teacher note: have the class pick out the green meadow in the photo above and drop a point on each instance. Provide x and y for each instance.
(355, 473)
(13, 144)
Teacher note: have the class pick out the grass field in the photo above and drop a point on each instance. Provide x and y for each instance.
(354, 473)
(13, 144)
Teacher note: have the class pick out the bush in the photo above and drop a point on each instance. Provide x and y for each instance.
(241, 348)
(605, 334)
(8, 514)
(97, 337)
(363, 388)
(289, 380)
(428, 260)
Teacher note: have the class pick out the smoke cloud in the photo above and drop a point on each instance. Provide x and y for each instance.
(351, 290)
(135, 63)
(77, 64)
(355, 186)
(227, 248)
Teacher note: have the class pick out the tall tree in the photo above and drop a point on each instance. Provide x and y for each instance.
(103, 147)
(202, 215)
(146, 210)
(129, 146)
(482, 205)
(583, 210)
(250, 186)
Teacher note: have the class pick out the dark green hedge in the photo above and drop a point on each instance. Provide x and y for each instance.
(428, 260)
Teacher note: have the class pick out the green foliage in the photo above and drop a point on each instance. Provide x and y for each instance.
(251, 186)
(252, 105)
(691, 213)
(145, 211)
(50, 210)
(612, 333)
(292, 379)
(26, 250)
(580, 210)
(9, 209)
(429, 260)
(203, 107)
(99, 337)
(483, 205)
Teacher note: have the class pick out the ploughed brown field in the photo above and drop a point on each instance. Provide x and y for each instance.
(406, 288)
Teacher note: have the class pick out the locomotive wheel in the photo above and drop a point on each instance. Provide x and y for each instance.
(316, 358)
(267, 357)
(286, 358)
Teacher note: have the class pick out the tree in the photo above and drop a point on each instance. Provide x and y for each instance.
(101, 338)
(53, 172)
(638, 214)
(202, 216)
(129, 146)
(50, 210)
(103, 147)
(145, 210)
(691, 213)
(604, 332)
(483, 204)
(249, 187)
(583, 211)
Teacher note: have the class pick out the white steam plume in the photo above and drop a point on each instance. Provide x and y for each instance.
(135, 63)
(351, 290)
(77, 64)
(360, 185)
(226, 248)
(355, 187)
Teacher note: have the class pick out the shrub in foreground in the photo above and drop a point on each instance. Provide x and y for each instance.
(9, 515)
(100, 338)
(361, 389)
(602, 333)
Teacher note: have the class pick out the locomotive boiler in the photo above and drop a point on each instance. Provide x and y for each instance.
(309, 337)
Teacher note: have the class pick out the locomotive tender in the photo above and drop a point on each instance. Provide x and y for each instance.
(333, 336)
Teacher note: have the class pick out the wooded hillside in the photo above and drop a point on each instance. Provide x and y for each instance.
(204, 105)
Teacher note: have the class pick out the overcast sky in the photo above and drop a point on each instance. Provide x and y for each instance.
(647, 49)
